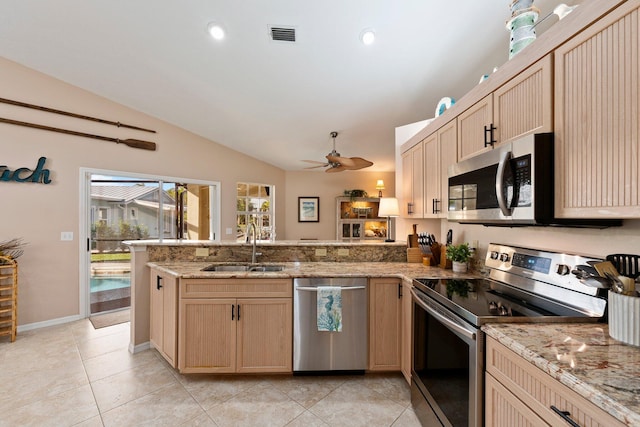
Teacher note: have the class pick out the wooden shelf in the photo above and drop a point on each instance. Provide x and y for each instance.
(8, 297)
(358, 220)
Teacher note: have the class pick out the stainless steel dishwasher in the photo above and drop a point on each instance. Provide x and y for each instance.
(317, 351)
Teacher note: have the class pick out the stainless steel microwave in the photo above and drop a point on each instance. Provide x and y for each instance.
(510, 185)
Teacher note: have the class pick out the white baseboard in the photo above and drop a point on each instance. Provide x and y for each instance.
(140, 347)
(46, 323)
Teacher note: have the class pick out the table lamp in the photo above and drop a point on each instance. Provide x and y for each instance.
(389, 207)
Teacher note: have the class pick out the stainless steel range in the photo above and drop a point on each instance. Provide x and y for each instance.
(523, 285)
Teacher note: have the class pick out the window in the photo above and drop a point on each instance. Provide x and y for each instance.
(254, 203)
(103, 216)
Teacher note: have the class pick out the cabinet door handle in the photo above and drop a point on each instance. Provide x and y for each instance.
(435, 208)
(158, 280)
(238, 312)
(232, 311)
(489, 130)
(566, 415)
(409, 208)
(399, 290)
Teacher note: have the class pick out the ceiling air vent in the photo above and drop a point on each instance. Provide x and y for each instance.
(283, 34)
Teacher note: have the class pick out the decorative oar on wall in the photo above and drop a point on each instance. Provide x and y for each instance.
(134, 143)
(66, 113)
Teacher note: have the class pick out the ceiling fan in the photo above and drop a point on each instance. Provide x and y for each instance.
(336, 163)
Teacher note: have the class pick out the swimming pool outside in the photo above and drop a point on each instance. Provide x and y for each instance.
(109, 282)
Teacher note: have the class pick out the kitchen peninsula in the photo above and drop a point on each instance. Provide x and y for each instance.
(186, 258)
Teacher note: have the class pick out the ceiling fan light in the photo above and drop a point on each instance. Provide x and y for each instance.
(367, 36)
(216, 31)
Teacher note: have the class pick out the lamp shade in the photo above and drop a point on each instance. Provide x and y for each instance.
(388, 207)
(380, 185)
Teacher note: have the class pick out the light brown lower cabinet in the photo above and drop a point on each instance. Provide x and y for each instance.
(385, 324)
(235, 325)
(519, 394)
(163, 327)
(405, 352)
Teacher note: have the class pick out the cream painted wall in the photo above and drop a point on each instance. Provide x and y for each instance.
(327, 186)
(586, 241)
(49, 269)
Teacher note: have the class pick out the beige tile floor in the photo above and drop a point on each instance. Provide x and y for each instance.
(74, 375)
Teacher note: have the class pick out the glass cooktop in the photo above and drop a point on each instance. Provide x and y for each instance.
(480, 301)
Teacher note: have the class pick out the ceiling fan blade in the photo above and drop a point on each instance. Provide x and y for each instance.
(358, 163)
(316, 167)
(344, 161)
(338, 168)
(315, 161)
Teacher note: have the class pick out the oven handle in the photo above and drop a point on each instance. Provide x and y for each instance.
(505, 157)
(442, 318)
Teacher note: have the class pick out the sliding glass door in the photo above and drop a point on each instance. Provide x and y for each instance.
(123, 207)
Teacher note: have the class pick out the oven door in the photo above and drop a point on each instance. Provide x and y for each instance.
(448, 365)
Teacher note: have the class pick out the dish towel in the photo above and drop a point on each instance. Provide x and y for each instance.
(329, 308)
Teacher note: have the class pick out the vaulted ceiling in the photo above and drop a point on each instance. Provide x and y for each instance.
(274, 100)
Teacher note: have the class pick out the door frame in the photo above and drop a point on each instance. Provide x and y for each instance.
(84, 225)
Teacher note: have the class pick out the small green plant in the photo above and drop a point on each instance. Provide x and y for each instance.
(353, 194)
(459, 253)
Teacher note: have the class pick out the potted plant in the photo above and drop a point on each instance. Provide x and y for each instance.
(459, 255)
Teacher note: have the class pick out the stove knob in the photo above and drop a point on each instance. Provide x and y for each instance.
(494, 255)
(563, 269)
(493, 306)
(503, 311)
(504, 257)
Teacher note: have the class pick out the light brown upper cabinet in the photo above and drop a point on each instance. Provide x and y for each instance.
(521, 106)
(597, 154)
(439, 152)
(412, 204)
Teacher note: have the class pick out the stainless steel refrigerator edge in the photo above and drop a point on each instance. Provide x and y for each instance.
(318, 351)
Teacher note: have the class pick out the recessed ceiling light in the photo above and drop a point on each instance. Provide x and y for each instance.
(215, 30)
(367, 36)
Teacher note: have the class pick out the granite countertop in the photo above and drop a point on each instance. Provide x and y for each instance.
(583, 357)
(179, 242)
(407, 271)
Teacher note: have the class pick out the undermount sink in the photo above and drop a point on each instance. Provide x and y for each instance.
(243, 267)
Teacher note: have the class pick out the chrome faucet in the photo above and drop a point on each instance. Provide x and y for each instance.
(251, 232)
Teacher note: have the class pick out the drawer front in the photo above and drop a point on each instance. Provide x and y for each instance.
(540, 391)
(236, 288)
(502, 408)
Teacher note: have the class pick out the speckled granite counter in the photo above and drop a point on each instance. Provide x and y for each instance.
(583, 357)
(403, 270)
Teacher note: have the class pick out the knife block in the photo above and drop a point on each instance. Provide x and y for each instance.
(414, 255)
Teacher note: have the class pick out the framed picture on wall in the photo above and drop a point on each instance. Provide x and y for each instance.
(308, 209)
